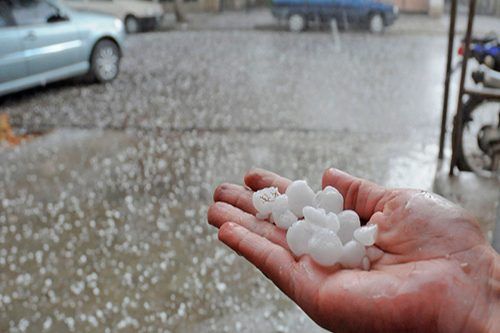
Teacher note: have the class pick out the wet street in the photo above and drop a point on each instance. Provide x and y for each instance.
(103, 219)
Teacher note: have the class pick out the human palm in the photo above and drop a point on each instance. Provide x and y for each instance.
(432, 270)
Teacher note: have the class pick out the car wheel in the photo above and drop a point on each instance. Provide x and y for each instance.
(105, 61)
(296, 23)
(132, 24)
(376, 24)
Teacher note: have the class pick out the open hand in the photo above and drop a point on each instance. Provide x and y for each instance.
(432, 270)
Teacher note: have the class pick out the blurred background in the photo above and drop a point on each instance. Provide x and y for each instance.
(118, 118)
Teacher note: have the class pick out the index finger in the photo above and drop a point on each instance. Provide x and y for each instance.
(257, 179)
(360, 195)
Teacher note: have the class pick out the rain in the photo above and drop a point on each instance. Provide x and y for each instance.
(103, 212)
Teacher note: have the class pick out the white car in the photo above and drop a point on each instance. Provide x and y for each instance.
(136, 14)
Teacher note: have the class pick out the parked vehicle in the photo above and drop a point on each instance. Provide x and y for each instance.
(43, 41)
(371, 14)
(138, 15)
(479, 138)
(486, 50)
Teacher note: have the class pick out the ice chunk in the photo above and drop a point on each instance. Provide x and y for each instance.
(349, 221)
(314, 215)
(365, 263)
(262, 216)
(280, 206)
(298, 236)
(332, 222)
(352, 254)
(366, 235)
(281, 215)
(319, 217)
(286, 220)
(325, 247)
(299, 195)
(263, 200)
(330, 200)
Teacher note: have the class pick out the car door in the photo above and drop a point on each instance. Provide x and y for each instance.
(50, 41)
(353, 9)
(12, 62)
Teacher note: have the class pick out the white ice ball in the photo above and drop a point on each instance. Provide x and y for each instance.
(263, 200)
(366, 235)
(297, 237)
(281, 215)
(349, 221)
(365, 263)
(314, 215)
(325, 247)
(330, 200)
(352, 254)
(286, 220)
(320, 218)
(299, 195)
(280, 206)
(262, 216)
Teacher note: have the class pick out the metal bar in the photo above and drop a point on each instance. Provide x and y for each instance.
(444, 115)
(486, 93)
(496, 230)
(459, 116)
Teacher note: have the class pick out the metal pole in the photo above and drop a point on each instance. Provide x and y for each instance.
(444, 115)
(459, 116)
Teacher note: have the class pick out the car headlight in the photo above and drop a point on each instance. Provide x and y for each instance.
(118, 24)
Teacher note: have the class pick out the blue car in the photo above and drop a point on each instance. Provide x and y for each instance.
(371, 14)
(42, 41)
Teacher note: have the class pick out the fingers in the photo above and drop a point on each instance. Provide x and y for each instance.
(221, 212)
(257, 179)
(360, 195)
(235, 195)
(274, 261)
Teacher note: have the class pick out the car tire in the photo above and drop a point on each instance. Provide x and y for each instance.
(105, 61)
(132, 25)
(376, 23)
(296, 23)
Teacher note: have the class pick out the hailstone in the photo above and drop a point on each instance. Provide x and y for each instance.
(263, 200)
(316, 224)
(325, 247)
(299, 195)
(298, 236)
(366, 235)
(349, 221)
(330, 200)
(352, 254)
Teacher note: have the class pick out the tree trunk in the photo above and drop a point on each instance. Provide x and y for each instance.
(180, 15)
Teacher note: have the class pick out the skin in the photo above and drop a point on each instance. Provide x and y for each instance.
(431, 268)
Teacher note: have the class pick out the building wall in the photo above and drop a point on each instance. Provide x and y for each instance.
(413, 6)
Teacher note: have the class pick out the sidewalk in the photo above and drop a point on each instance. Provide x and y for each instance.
(261, 19)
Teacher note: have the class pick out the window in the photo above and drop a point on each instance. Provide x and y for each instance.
(27, 12)
(5, 14)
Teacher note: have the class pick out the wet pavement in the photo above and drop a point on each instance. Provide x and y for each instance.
(103, 220)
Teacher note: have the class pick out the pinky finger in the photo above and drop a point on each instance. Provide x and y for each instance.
(272, 260)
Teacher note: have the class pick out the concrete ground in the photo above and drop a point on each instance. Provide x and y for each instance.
(103, 219)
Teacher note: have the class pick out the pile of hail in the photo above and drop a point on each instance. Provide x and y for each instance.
(316, 224)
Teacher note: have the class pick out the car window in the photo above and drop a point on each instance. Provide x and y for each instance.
(27, 12)
(5, 14)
